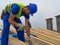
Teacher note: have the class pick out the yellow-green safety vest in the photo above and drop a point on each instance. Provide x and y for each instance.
(8, 7)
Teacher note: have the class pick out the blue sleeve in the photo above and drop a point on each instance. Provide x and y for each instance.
(27, 17)
(15, 9)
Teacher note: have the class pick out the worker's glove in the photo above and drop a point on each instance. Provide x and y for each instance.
(28, 41)
(21, 27)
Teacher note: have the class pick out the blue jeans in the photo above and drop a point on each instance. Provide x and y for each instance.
(6, 28)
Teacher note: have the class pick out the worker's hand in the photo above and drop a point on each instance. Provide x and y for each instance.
(21, 27)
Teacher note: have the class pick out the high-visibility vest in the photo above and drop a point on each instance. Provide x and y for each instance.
(8, 7)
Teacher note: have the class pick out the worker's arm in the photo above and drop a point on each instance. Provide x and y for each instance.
(19, 25)
(11, 20)
(28, 27)
(27, 23)
(28, 31)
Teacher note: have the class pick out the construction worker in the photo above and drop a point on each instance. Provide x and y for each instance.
(11, 15)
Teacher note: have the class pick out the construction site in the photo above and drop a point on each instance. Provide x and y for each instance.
(44, 28)
(38, 36)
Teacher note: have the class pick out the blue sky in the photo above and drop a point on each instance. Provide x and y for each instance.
(46, 9)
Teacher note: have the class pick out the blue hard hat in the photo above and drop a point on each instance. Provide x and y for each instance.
(32, 8)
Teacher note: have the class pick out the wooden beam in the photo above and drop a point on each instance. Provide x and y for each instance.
(38, 41)
(50, 33)
(14, 41)
(45, 37)
(12, 30)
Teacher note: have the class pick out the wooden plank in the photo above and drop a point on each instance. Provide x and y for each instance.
(12, 30)
(41, 37)
(38, 41)
(52, 34)
(14, 41)
(48, 33)
(45, 37)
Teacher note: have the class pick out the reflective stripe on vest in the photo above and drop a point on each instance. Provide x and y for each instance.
(8, 7)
